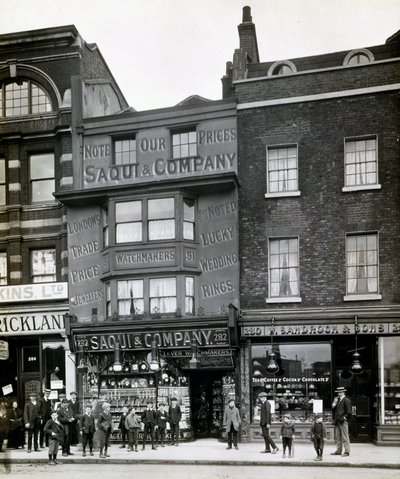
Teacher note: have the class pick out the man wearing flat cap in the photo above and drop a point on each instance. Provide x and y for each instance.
(341, 411)
(265, 423)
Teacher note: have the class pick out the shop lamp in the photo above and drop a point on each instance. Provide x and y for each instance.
(272, 366)
(117, 366)
(154, 364)
(82, 368)
(135, 366)
(194, 362)
(356, 367)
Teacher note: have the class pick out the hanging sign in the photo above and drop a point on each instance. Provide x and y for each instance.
(4, 351)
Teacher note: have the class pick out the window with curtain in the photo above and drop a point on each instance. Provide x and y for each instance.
(184, 144)
(23, 98)
(3, 268)
(43, 265)
(283, 267)
(188, 219)
(282, 169)
(362, 264)
(189, 295)
(42, 178)
(2, 181)
(125, 151)
(128, 219)
(361, 166)
(161, 216)
(162, 295)
(130, 297)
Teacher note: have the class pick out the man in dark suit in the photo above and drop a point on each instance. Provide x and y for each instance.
(45, 415)
(265, 423)
(341, 411)
(149, 419)
(75, 408)
(32, 421)
(66, 419)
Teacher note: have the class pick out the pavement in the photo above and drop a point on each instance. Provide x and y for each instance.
(213, 452)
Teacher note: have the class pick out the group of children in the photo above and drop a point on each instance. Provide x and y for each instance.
(152, 422)
(317, 436)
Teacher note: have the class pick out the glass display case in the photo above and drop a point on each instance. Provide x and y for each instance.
(222, 390)
(388, 387)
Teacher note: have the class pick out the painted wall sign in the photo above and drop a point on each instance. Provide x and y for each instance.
(216, 153)
(165, 339)
(33, 292)
(43, 323)
(145, 257)
(321, 329)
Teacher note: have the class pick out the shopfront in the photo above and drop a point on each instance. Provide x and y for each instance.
(310, 361)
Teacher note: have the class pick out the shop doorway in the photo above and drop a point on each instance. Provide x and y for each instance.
(209, 392)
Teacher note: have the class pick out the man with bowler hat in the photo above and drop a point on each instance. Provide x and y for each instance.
(341, 411)
(265, 423)
(32, 421)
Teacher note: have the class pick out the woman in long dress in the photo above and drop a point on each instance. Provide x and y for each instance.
(16, 436)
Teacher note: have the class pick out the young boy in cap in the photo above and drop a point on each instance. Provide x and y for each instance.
(54, 430)
(341, 411)
(162, 418)
(88, 430)
(287, 434)
(104, 424)
(318, 435)
(232, 423)
(175, 416)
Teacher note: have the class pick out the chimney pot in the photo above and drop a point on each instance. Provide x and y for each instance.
(247, 15)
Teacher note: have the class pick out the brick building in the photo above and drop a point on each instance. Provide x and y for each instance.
(48, 77)
(319, 212)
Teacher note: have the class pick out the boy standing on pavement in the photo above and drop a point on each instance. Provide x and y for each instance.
(149, 419)
(175, 415)
(88, 430)
(318, 434)
(232, 423)
(104, 424)
(162, 418)
(54, 430)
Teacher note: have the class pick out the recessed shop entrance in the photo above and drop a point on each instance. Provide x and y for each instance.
(209, 392)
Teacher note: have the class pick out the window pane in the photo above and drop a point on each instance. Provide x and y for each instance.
(184, 144)
(42, 166)
(283, 267)
(362, 264)
(128, 211)
(360, 162)
(2, 171)
(14, 94)
(130, 297)
(163, 295)
(125, 152)
(42, 191)
(163, 229)
(282, 169)
(43, 264)
(161, 208)
(128, 232)
(3, 268)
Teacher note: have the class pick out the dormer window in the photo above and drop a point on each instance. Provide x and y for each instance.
(23, 97)
(358, 57)
(282, 68)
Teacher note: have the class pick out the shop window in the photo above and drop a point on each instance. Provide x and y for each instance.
(42, 178)
(125, 152)
(283, 268)
(161, 216)
(128, 218)
(130, 297)
(23, 98)
(189, 295)
(388, 388)
(3, 268)
(302, 385)
(162, 295)
(2, 181)
(361, 164)
(43, 265)
(282, 173)
(188, 219)
(184, 144)
(106, 238)
(362, 264)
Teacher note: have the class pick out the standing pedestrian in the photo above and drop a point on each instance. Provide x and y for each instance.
(174, 415)
(16, 436)
(88, 430)
(54, 430)
(149, 419)
(287, 434)
(318, 435)
(162, 419)
(342, 411)
(232, 423)
(66, 419)
(132, 424)
(32, 421)
(75, 408)
(45, 414)
(265, 423)
(3, 427)
(104, 424)
(122, 427)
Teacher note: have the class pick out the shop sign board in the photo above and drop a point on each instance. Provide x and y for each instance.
(23, 324)
(33, 292)
(321, 329)
(164, 339)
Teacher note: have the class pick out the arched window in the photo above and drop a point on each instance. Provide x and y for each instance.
(358, 57)
(23, 97)
(282, 68)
